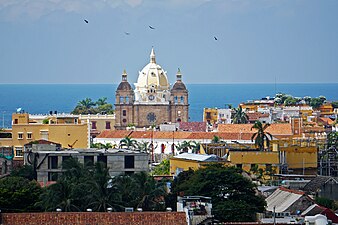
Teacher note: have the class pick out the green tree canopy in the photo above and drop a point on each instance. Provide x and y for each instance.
(88, 106)
(18, 194)
(233, 196)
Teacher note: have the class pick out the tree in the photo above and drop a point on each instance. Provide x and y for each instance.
(103, 193)
(240, 116)
(328, 203)
(184, 146)
(84, 107)
(25, 171)
(18, 194)
(233, 196)
(335, 104)
(215, 139)
(261, 136)
(163, 168)
(101, 101)
(290, 101)
(150, 194)
(317, 102)
(143, 146)
(128, 142)
(195, 146)
(332, 140)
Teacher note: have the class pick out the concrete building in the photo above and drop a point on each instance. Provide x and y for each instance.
(50, 158)
(153, 101)
(69, 131)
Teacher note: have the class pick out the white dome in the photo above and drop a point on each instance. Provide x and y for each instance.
(152, 76)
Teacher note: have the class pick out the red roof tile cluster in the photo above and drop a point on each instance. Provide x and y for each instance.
(174, 135)
(325, 121)
(193, 126)
(253, 116)
(274, 129)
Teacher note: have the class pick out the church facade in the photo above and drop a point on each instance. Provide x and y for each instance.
(153, 101)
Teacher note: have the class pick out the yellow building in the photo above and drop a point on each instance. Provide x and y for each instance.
(250, 160)
(297, 156)
(68, 131)
(210, 115)
(186, 161)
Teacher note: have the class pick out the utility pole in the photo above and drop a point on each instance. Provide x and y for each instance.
(274, 215)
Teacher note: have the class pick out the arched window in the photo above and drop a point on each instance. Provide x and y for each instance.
(127, 99)
(121, 99)
(182, 99)
(175, 99)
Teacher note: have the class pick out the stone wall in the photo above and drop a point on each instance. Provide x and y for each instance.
(93, 218)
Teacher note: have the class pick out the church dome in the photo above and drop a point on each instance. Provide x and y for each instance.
(179, 86)
(152, 75)
(124, 85)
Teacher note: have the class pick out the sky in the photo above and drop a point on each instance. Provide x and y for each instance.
(258, 41)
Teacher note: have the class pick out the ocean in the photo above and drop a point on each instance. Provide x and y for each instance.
(42, 98)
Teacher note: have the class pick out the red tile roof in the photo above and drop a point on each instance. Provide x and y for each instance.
(274, 129)
(193, 126)
(253, 116)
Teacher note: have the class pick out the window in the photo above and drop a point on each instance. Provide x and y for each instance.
(103, 159)
(16, 121)
(239, 166)
(124, 112)
(88, 160)
(52, 162)
(18, 152)
(20, 135)
(52, 176)
(175, 99)
(107, 125)
(124, 120)
(121, 99)
(182, 99)
(127, 100)
(94, 125)
(29, 135)
(129, 162)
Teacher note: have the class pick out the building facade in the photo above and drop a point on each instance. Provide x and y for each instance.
(153, 101)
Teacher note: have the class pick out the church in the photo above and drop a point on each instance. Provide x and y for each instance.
(153, 101)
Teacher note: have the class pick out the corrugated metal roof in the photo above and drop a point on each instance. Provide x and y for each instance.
(282, 200)
(197, 157)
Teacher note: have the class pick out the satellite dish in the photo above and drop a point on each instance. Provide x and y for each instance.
(18, 109)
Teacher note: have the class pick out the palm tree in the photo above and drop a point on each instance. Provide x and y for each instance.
(103, 193)
(150, 193)
(261, 136)
(144, 146)
(128, 143)
(59, 195)
(195, 146)
(101, 101)
(240, 116)
(215, 139)
(87, 103)
(184, 146)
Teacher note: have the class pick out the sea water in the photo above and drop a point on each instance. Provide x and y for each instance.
(42, 98)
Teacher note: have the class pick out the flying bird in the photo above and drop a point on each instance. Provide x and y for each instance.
(126, 33)
(153, 28)
(215, 38)
(86, 21)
